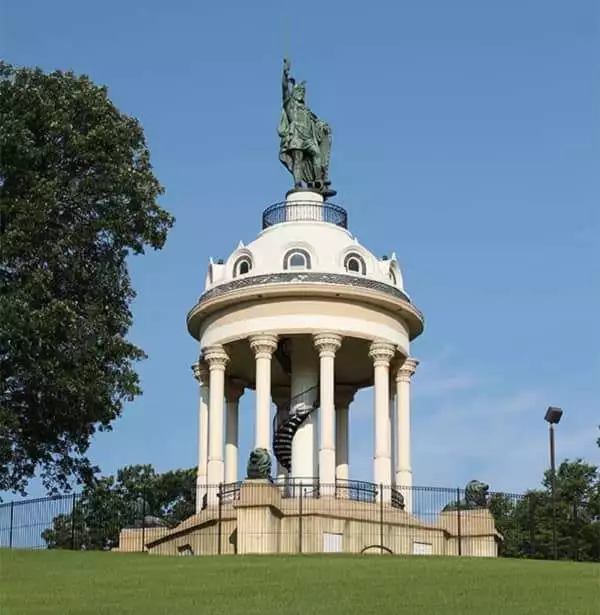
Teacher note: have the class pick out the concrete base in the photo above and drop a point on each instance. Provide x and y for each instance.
(261, 521)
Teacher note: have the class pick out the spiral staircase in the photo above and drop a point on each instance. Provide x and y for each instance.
(286, 423)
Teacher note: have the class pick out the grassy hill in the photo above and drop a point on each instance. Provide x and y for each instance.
(65, 583)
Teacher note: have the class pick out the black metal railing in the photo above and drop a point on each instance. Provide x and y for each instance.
(359, 490)
(296, 211)
(228, 492)
(391, 519)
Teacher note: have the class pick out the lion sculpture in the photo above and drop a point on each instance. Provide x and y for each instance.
(259, 464)
(140, 507)
(476, 496)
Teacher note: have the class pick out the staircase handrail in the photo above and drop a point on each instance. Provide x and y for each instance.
(284, 410)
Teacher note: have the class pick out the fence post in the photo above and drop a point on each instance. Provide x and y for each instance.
(220, 519)
(458, 521)
(73, 504)
(300, 521)
(12, 516)
(143, 520)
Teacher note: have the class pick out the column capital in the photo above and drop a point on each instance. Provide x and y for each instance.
(327, 343)
(382, 353)
(406, 369)
(344, 395)
(263, 345)
(216, 357)
(200, 370)
(234, 389)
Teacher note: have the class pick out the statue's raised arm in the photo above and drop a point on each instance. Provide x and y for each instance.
(285, 80)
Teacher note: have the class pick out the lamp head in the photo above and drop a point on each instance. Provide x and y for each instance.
(553, 415)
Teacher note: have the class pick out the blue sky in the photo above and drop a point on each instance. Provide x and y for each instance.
(466, 138)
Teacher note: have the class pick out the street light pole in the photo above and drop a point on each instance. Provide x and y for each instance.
(553, 488)
(552, 417)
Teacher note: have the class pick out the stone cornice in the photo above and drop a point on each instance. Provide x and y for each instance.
(304, 277)
(303, 284)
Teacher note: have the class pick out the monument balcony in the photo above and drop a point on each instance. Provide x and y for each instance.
(304, 211)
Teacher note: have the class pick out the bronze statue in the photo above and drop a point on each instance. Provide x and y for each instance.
(305, 139)
(476, 496)
(259, 464)
(140, 507)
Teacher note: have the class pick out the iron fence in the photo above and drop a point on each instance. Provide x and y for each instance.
(304, 516)
(293, 211)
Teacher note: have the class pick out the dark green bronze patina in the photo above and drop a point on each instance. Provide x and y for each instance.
(305, 139)
(259, 464)
(476, 496)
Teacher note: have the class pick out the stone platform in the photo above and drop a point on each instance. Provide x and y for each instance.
(262, 521)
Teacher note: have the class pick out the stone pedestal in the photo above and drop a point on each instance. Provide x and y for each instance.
(471, 533)
(258, 517)
(302, 205)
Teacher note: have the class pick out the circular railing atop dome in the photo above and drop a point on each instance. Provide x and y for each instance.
(304, 211)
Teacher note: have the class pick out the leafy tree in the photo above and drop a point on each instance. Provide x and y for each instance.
(113, 503)
(77, 196)
(527, 522)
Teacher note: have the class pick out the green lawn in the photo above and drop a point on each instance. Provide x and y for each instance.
(83, 583)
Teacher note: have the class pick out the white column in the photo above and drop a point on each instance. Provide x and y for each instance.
(327, 344)
(392, 427)
(281, 399)
(200, 370)
(382, 353)
(217, 359)
(403, 465)
(263, 346)
(233, 391)
(304, 379)
(344, 394)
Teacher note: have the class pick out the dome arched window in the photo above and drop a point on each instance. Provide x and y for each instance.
(242, 266)
(354, 263)
(296, 259)
(392, 277)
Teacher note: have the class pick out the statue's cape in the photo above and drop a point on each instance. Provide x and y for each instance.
(284, 124)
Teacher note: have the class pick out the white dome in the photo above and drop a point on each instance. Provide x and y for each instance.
(299, 243)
